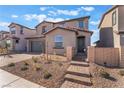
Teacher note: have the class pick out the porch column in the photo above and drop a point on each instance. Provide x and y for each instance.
(28, 45)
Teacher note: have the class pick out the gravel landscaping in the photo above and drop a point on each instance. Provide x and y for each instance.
(45, 73)
(104, 77)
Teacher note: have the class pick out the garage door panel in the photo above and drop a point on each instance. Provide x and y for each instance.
(36, 46)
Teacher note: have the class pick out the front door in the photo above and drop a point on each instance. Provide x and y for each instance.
(80, 44)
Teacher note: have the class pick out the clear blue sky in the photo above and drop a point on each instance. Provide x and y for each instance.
(31, 15)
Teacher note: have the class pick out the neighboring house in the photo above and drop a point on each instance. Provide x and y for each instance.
(4, 35)
(4, 38)
(18, 33)
(112, 28)
(55, 37)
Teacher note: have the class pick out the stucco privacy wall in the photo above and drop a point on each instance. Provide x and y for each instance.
(121, 51)
(69, 39)
(104, 56)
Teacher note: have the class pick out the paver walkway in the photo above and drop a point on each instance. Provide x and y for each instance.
(8, 80)
(78, 76)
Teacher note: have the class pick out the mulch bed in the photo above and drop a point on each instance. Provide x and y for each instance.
(115, 80)
(48, 74)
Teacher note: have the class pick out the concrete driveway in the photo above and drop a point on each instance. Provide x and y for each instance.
(13, 58)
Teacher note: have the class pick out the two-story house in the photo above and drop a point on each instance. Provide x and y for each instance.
(4, 38)
(55, 37)
(18, 33)
(112, 27)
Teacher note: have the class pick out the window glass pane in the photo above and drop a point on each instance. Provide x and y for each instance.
(13, 30)
(21, 31)
(58, 41)
(114, 18)
(81, 24)
(58, 44)
(58, 38)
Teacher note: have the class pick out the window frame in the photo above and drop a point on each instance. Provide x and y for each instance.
(114, 18)
(80, 25)
(58, 39)
(13, 30)
(44, 29)
(21, 30)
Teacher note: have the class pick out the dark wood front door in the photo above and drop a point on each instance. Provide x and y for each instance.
(80, 44)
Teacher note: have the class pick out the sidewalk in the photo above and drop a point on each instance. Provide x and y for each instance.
(8, 80)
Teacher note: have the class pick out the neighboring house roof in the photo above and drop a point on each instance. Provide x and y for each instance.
(20, 25)
(113, 7)
(35, 36)
(79, 18)
(69, 29)
(6, 32)
(14, 37)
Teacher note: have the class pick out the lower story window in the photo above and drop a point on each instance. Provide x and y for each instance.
(58, 41)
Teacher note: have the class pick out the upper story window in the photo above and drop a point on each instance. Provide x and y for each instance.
(21, 30)
(44, 29)
(13, 30)
(81, 24)
(58, 39)
(114, 18)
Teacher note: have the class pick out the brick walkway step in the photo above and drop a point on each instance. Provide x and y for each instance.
(79, 63)
(69, 84)
(78, 79)
(78, 70)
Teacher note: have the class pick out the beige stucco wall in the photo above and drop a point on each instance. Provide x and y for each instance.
(73, 23)
(21, 46)
(39, 28)
(121, 18)
(104, 56)
(107, 21)
(69, 39)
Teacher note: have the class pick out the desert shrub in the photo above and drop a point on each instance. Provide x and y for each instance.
(26, 64)
(24, 68)
(11, 64)
(35, 59)
(104, 74)
(47, 75)
(38, 68)
(121, 72)
(60, 64)
(49, 62)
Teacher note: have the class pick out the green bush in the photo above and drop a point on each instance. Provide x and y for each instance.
(24, 68)
(11, 64)
(47, 75)
(104, 74)
(121, 72)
